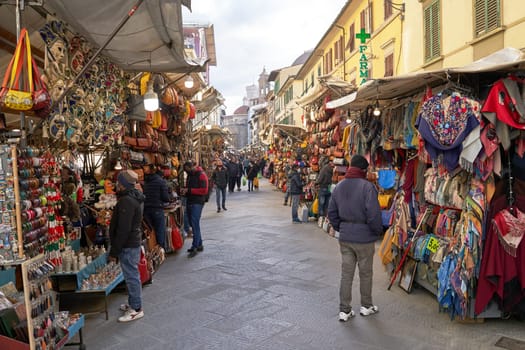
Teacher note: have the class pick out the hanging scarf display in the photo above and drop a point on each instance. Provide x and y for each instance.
(444, 122)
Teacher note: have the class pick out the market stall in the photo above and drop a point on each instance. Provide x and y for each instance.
(58, 174)
(447, 150)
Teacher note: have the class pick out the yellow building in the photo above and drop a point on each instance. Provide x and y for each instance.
(341, 55)
(450, 33)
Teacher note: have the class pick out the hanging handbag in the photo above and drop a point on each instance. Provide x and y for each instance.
(387, 178)
(12, 98)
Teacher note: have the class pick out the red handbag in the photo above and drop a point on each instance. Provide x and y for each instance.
(145, 274)
(176, 237)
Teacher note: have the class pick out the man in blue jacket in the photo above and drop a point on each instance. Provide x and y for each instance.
(354, 212)
(156, 192)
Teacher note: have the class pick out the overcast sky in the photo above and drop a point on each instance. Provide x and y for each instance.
(254, 34)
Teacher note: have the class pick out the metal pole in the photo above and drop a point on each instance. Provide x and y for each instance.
(20, 7)
(131, 12)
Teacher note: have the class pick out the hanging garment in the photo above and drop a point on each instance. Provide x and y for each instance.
(504, 107)
(502, 276)
(444, 122)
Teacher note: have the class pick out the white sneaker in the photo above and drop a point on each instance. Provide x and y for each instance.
(367, 311)
(131, 315)
(343, 316)
(124, 307)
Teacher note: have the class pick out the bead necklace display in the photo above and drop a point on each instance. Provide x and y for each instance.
(8, 239)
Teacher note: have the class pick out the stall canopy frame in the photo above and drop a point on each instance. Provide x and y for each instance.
(409, 84)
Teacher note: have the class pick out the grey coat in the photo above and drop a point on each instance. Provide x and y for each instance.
(354, 211)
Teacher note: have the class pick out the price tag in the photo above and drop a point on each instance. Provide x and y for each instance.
(433, 244)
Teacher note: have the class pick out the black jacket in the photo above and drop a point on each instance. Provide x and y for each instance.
(125, 226)
(325, 176)
(296, 184)
(220, 177)
(156, 191)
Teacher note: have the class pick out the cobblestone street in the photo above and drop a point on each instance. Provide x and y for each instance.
(264, 283)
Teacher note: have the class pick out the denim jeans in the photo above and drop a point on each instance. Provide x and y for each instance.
(218, 193)
(194, 213)
(155, 217)
(286, 195)
(129, 263)
(362, 255)
(295, 206)
(324, 197)
(250, 185)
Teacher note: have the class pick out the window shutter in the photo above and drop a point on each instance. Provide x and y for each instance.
(351, 39)
(432, 31)
(487, 16)
(388, 8)
(389, 65)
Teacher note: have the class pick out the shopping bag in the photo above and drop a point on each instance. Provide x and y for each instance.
(315, 206)
(304, 213)
(244, 180)
(256, 182)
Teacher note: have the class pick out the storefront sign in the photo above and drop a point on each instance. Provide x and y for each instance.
(363, 60)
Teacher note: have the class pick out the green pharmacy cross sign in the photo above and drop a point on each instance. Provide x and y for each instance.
(363, 60)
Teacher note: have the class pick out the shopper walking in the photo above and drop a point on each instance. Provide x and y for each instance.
(234, 172)
(220, 179)
(157, 195)
(324, 181)
(354, 212)
(251, 173)
(287, 173)
(296, 189)
(195, 193)
(125, 236)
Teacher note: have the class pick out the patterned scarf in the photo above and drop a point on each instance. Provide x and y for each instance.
(510, 229)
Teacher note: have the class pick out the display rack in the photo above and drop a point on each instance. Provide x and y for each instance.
(73, 297)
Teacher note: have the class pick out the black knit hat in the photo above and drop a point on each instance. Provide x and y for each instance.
(359, 161)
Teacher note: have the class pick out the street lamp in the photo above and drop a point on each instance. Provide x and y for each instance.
(151, 99)
(188, 83)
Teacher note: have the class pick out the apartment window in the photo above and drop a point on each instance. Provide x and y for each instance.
(487, 16)
(338, 49)
(351, 38)
(432, 24)
(388, 8)
(389, 65)
(366, 18)
(328, 61)
(312, 79)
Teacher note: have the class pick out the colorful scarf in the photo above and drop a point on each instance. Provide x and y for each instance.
(510, 229)
(355, 173)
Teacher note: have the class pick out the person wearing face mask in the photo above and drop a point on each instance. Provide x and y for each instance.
(220, 178)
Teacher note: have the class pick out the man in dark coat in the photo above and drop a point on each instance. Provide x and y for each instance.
(234, 172)
(220, 179)
(125, 236)
(296, 189)
(156, 192)
(324, 181)
(354, 212)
